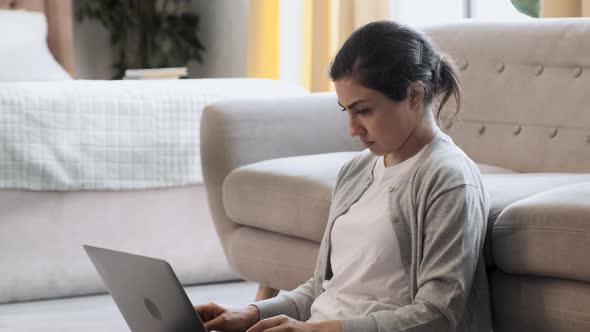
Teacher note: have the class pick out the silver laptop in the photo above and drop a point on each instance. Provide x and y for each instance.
(146, 291)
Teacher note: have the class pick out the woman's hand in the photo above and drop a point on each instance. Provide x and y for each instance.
(283, 323)
(280, 323)
(218, 318)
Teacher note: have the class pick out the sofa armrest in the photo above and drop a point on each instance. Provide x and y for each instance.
(240, 132)
(547, 234)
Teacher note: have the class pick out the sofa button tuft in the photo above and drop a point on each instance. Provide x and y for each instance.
(395, 220)
(391, 188)
(516, 130)
(500, 67)
(539, 70)
(447, 123)
(463, 64)
(553, 132)
(481, 129)
(577, 72)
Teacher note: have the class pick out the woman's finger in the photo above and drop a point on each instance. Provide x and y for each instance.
(215, 324)
(208, 311)
(203, 312)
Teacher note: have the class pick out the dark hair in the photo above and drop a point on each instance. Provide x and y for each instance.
(388, 56)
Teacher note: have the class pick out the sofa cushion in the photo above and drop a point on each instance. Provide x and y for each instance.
(290, 196)
(506, 189)
(547, 234)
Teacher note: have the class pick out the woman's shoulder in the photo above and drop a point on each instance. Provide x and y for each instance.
(443, 164)
(446, 165)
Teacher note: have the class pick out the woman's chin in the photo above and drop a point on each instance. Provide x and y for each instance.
(375, 149)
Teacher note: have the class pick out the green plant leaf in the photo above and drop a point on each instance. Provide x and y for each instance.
(531, 8)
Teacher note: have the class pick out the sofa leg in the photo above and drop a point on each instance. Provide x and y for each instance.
(265, 293)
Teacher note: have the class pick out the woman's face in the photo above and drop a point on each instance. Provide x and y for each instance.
(383, 125)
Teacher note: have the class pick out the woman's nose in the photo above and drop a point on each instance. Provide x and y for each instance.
(354, 129)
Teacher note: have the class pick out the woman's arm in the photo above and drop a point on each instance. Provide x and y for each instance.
(295, 304)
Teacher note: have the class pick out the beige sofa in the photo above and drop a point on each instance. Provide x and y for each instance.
(270, 166)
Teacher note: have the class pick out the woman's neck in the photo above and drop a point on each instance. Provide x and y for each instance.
(418, 139)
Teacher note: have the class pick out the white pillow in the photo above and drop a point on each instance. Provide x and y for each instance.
(24, 54)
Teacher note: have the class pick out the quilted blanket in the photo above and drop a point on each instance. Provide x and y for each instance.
(111, 135)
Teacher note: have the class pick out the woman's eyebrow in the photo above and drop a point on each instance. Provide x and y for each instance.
(352, 104)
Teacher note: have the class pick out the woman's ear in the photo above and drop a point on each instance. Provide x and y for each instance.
(416, 94)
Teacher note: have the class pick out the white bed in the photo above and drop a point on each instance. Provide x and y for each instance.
(58, 197)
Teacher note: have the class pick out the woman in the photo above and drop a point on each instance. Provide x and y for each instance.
(403, 247)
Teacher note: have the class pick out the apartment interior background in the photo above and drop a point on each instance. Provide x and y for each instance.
(224, 30)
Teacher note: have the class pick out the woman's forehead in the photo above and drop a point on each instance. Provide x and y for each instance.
(351, 91)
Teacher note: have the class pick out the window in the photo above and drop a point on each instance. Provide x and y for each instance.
(428, 12)
(496, 10)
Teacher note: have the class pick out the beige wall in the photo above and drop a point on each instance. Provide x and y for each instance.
(92, 49)
(223, 31)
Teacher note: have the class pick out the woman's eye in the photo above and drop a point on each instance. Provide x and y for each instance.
(363, 111)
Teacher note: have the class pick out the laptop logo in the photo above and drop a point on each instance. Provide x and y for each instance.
(153, 310)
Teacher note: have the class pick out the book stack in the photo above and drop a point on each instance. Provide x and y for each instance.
(156, 73)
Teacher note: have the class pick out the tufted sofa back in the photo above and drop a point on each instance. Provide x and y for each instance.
(526, 91)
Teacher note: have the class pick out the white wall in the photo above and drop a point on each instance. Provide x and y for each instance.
(222, 29)
(291, 40)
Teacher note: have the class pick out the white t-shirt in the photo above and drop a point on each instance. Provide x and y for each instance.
(368, 272)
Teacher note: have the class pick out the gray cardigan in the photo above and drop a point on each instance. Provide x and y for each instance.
(439, 213)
